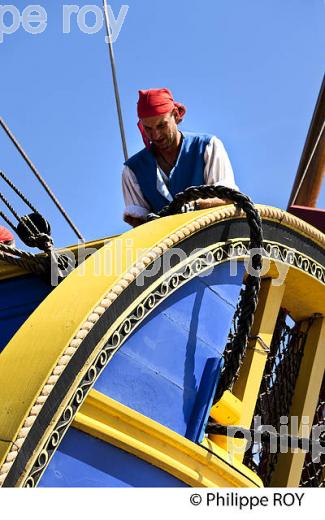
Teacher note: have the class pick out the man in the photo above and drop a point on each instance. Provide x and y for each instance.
(6, 237)
(171, 161)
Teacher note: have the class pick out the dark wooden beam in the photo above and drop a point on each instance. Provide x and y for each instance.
(310, 174)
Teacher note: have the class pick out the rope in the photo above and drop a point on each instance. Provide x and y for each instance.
(28, 261)
(14, 212)
(18, 252)
(188, 229)
(34, 231)
(7, 219)
(30, 266)
(28, 230)
(26, 222)
(19, 193)
(116, 90)
(39, 178)
(41, 237)
(37, 264)
(237, 345)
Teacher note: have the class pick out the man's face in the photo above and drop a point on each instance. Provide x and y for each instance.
(161, 130)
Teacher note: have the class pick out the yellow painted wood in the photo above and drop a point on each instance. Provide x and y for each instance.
(227, 410)
(304, 295)
(8, 271)
(289, 466)
(32, 353)
(112, 422)
(252, 368)
(97, 244)
(12, 271)
(247, 386)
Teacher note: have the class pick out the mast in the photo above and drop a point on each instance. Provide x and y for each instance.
(310, 174)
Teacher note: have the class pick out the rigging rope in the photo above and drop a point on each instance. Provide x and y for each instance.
(40, 178)
(34, 231)
(33, 263)
(116, 89)
(11, 209)
(7, 219)
(44, 265)
(31, 228)
(16, 190)
(36, 240)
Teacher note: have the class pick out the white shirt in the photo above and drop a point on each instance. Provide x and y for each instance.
(217, 170)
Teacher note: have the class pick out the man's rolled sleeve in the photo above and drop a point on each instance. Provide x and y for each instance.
(218, 168)
(135, 204)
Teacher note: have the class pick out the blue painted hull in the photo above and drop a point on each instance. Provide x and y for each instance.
(84, 461)
(19, 297)
(115, 387)
(166, 370)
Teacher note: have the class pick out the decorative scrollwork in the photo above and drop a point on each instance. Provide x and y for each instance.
(188, 271)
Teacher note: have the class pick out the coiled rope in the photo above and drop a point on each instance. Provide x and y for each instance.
(237, 344)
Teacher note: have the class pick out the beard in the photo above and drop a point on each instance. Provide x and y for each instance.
(168, 141)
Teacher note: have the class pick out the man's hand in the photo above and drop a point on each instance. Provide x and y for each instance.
(212, 203)
(133, 221)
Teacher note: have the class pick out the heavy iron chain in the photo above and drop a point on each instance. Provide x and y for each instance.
(237, 345)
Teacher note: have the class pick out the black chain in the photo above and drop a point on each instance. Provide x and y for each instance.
(237, 344)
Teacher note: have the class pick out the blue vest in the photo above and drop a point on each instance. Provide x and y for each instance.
(188, 171)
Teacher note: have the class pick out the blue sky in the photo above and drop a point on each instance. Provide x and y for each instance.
(248, 71)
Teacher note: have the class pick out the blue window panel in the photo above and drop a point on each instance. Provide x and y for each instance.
(158, 370)
(84, 461)
(148, 392)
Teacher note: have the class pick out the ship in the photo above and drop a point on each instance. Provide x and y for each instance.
(159, 359)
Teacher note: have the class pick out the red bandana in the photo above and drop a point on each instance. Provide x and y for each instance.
(5, 235)
(156, 102)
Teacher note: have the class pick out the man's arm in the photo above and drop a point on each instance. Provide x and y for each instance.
(136, 207)
(133, 221)
(217, 170)
(212, 203)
